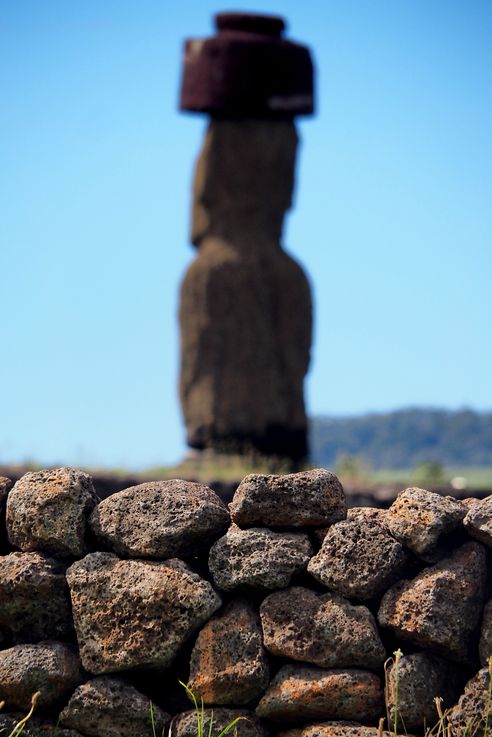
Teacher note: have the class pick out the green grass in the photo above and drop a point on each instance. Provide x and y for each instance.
(477, 478)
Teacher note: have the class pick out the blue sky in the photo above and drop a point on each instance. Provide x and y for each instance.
(392, 215)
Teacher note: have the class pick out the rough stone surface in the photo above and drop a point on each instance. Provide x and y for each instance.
(485, 646)
(420, 678)
(308, 499)
(34, 598)
(5, 486)
(258, 558)
(110, 707)
(248, 725)
(228, 663)
(478, 521)
(358, 559)
(160, 519)
(335, 729)
(133, 613)
(245, 305)
(300, 693)
(418, 518)
(370, 513)
(441, 607)
(48, 510)
(474, 708)
(35, 727)
(323, 629)
(52, 668)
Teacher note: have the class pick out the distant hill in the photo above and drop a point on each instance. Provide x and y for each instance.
(405, 438)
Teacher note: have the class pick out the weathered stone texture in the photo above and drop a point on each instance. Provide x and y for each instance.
(301, 693)
(160, 519)
(110, 707)
(247, 724)
(418, 518)
(478, 521)
(35, 727)
(49, 667)
(414, 682)
(258, 558)
(34, 598)
(358, 559)
(440, 608)
(5, 486)
(47, 511)
(485, 645)
(133, 613)
(323, 629)
(474, 709)
(245, 305)
(228, 663)
(336, 729)
(309, 499)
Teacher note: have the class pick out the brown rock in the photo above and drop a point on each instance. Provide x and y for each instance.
(485, 646)
(49, 667)
(478, 521)
(245, 305)
(5, 486)
(308, 499)
(418, 518)
(323, 629)
(34, 598)
(247, 724)
(335, 729)
(258, 558)
(110, 707)
(413, 683)
(133, 613)
(160, 519)
(358, 559)
(298, 693)
(441, 607)
(367, 513)
(48, 510)
(228, 663)
(472, 715)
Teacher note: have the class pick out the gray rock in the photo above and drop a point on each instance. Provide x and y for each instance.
(414, 682)
(134, 613)
(307, 499)
(258, 558)
(35, 727)
(110, 707)
(358, 559)
(418, 518)
(371, 513)
(52, 668)
(47, 511)
(160, 519)
(5, 486)
(472, 715)
(441, 607)
(323, 629)
(228, 663)
(248, 724)
(485, 646)
(300, 693)
(34, 598)
(478, 521)
(336, 729)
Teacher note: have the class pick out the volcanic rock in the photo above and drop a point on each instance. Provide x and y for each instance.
(228, 663)
(110, 707)
(474, 709)
(358, 559)
(47, 511)
(485, 646)
(248, 724)
(309, 499)
(323, 629)
(52, 668)
(258, 558)
(441, 607)
(478, 521)
(133, 613)
(5, 486)
(418, 518)
(336, 729)
(35, 727)
(34, 598)
(414, 682)
(301, 693)
(160, 519)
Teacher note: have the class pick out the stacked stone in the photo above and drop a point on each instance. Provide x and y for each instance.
(282, 610)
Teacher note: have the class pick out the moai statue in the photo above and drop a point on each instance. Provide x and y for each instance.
(245, 306)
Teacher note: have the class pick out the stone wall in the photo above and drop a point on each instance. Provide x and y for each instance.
(282, 608)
